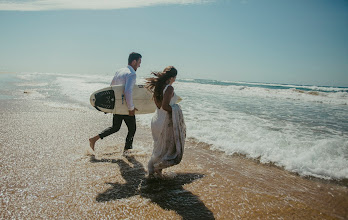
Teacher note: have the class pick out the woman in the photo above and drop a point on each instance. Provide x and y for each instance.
(167, 125)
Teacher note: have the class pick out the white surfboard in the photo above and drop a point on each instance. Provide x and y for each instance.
(112, 100)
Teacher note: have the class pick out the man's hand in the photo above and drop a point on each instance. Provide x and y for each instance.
(132, 113)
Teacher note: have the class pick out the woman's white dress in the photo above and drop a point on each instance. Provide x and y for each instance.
(169, 133)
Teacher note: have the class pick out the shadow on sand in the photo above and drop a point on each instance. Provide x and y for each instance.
(168, 194)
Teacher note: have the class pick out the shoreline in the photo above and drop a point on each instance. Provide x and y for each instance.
(48, 174)
(339, 182)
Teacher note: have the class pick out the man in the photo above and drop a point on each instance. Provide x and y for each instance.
(125, 76)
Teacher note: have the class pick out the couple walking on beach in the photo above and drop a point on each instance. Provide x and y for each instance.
(167, 125)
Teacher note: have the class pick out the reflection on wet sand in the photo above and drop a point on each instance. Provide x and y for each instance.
(168, 193)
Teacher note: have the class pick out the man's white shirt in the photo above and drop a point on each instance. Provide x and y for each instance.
(127, 77)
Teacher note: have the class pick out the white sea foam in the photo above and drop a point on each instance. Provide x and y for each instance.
(291, 146)
(292, 141)
(79, 88)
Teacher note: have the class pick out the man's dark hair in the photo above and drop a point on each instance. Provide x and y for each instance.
(133, 56)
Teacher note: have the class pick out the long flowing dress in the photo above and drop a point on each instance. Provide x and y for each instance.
(169, 133)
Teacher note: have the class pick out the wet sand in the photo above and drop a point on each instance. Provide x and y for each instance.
(46, 173)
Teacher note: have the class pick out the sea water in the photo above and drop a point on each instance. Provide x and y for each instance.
(303, 129)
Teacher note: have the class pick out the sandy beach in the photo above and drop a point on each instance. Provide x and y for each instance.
(46, 173)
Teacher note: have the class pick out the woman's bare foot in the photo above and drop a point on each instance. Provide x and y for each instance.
(150, 176)
(92, 141)
(159, 173)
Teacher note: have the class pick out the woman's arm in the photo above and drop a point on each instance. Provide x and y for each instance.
(166, 99)
(158, 104)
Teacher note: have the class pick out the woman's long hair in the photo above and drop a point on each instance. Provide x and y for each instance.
(156, 84)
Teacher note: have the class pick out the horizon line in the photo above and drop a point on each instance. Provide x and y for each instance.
(52, 5)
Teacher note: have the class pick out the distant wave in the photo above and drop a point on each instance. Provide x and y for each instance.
(269, 85)
(329, 95)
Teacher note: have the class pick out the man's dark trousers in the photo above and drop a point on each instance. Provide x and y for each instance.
(116, 125)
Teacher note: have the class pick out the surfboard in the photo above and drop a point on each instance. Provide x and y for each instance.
(112, 100)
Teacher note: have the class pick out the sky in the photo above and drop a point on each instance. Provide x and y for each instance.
(274, 41)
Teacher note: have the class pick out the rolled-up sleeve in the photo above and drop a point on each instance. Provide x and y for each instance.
(128, 91)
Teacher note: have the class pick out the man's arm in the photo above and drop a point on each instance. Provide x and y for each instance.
(128, 91)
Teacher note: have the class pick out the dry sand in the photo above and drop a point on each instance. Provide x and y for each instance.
(47, 174)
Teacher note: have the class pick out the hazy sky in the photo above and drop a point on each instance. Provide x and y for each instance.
(293, 41)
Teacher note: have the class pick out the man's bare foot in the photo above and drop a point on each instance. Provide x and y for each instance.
(92, 141)
(126, 153)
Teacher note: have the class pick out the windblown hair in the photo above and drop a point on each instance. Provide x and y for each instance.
(156, 84)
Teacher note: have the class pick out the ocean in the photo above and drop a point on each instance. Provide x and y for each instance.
(301, 128)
